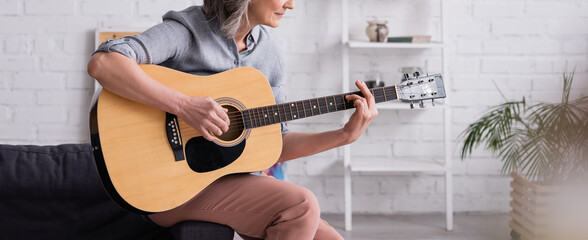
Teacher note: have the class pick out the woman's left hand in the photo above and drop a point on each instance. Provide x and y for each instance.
(365, 112)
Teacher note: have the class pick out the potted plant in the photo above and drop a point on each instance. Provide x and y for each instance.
(545, 148)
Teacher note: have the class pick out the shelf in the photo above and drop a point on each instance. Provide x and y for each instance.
(362, 44)
(394, 165)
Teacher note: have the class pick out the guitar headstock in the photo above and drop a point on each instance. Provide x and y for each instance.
(419, 88)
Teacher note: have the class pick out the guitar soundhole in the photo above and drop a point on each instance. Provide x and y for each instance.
(236, 126)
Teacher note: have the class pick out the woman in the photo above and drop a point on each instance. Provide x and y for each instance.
(207, 39)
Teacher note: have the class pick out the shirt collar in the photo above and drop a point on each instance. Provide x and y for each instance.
(254, 35)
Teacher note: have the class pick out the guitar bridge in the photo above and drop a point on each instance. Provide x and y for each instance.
(174, 137)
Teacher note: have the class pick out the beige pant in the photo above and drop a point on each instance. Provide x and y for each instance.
(256, 207)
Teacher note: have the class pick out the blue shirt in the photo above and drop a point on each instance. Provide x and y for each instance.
(190, 42)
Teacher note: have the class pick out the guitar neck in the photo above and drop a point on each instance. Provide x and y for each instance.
(268, 115)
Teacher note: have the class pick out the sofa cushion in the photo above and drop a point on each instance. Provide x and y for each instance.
(54, 192)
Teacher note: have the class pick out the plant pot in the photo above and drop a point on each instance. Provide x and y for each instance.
(547, 212)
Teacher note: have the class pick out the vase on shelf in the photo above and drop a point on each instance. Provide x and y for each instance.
(377, 31)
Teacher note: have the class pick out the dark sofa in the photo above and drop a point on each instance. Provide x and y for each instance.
(55, 192)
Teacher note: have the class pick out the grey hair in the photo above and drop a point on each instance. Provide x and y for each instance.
(230, 14)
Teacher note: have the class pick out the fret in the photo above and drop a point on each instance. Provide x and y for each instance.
(282, 113)
(323, 105)
(257, 116)
(331, 104)
(262, 116)
(344, 101)
(290, 113)
(254, 117)
(395, 91)
(292, 107)
(340, 102)
(307, 107)
(251, 114)
(275, 114)
(267, 116)
(286, 115)
(296, 114)
(315, 107)
(293, 110)
(304, 108)
(270, 114)
(391, 92)
(251, 118)
(300, 109)
(244, 116)
(383, 95)
(378, 96)
(270, 117)
(372, 91)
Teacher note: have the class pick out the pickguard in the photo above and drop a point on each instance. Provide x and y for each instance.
(205, 156)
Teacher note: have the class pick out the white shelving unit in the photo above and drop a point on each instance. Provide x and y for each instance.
(385, 166)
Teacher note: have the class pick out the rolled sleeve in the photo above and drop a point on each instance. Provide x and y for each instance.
(157, 44)
(128, 46)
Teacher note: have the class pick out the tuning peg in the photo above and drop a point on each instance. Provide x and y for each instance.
(411, 105)
(433, 102)
(422, 104)
(406, 77)
(416, 74)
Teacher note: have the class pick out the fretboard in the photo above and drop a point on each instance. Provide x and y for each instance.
(268, 115)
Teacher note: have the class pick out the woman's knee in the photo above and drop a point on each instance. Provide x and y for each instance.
(300, 210)
(312, 201)
(306, 202)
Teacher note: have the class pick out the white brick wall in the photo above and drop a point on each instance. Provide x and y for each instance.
(521, 46)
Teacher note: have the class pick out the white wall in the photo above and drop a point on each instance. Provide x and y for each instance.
(522, 46)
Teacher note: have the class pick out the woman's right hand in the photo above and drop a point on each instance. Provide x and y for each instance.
(205, 115)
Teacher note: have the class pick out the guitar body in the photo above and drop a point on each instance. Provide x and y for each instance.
(134, 155)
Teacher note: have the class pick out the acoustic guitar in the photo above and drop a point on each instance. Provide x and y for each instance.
(152, 161)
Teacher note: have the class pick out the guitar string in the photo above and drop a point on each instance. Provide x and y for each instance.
(284, 104)
(263, 112)
(263, 122)
(268, 121)
(268, 109)
(238, 115)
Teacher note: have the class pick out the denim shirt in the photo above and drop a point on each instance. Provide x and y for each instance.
(190, 42)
